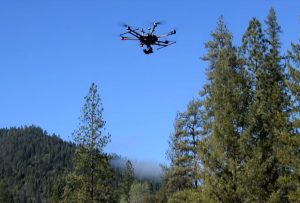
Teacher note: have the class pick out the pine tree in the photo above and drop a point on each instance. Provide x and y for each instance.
(140, 193)
(282, 127)
(128, 180)
(293, 158)
(177, 175)
(92, 175)
(185, 166)
(267, 120)
(226, 97)
(187, 196)
(254, 48)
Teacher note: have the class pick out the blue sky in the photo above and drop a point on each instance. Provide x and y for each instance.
(51, 52)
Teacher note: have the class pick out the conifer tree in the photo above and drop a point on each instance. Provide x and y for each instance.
(177, 175)
(254, 48)
(92, 176)
(293, 158)
(184, 171)
(140, 193)
(128, 180)
(282, 147)
(225, 100)
(267, 121)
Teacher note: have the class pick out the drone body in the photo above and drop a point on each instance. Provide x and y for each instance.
(148, 39)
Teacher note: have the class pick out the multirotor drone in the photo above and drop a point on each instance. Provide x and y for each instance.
(148, 39)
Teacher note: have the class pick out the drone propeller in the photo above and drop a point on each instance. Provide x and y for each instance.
(173, 32)
(151, 23)
(167, 44)
(125, 26)
(158, 22)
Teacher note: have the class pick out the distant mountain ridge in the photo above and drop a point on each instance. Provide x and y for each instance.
(32, 163)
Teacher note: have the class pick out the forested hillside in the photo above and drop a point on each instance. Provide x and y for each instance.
(33, 163)
(34, 166)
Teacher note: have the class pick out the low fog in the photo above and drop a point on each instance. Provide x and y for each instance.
(142, 169)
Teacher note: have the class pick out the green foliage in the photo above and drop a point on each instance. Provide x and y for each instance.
(32, 163)
(249, 151)
(185, 167)
(250, 139)
(92, 177)
(79, 185)
(292, 159)
(90, 132)
(127, 180)
(268, 121)
(140, 193)
(225, 102)
(187, 196)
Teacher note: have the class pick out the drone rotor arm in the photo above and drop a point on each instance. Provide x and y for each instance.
(173, 32)
(127, 38)
(152, 30)
(164, 44)
(165, 35)
(131, 32)
(162, 36)
(121, 35)
(135, 33)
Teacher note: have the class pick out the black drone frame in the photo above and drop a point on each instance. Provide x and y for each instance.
(148, 38)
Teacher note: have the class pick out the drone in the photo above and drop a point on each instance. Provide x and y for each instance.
(148, 39)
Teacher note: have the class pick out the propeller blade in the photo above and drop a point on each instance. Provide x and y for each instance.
(159, 22)
(151, 23)
(124, 25)
(173, 32)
